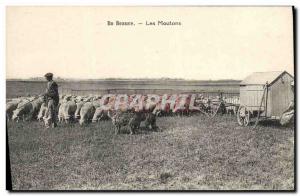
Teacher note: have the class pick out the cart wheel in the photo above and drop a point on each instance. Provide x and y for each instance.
(243, 116)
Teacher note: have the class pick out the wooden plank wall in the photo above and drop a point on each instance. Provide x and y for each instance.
(281, 95)
(251, 95)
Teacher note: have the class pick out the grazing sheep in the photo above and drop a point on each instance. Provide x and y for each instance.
(100, 114)
(78, 108)
(66, 108)
(69, 111)
(27, 109)
(10, 107)
(86, 113)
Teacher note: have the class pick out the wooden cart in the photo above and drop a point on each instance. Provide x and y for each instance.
(264, 95)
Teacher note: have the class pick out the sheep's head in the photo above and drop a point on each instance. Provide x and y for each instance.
(15, 117)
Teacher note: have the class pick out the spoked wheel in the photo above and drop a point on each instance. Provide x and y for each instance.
(243, 116)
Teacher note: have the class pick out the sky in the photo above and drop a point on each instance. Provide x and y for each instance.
(211, 42)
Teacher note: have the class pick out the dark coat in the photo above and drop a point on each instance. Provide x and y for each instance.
(52, 91)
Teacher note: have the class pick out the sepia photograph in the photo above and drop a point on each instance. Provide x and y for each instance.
(150, 98)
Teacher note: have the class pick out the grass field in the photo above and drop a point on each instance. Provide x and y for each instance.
(190, 153)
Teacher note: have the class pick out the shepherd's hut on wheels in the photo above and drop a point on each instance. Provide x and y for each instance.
(265, 95)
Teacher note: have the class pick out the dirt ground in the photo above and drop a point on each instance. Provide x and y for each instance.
(190, 153)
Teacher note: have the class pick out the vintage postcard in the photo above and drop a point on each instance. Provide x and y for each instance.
(150, 98)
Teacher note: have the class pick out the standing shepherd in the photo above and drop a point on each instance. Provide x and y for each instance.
(52, 100)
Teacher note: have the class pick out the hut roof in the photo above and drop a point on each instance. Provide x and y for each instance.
(260, 78)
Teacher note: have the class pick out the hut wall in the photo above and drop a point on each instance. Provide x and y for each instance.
(280, 95)
(251, 95)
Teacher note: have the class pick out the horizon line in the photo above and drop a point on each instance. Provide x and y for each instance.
(119, 78)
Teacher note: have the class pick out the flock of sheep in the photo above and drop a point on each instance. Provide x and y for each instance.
(85, 109)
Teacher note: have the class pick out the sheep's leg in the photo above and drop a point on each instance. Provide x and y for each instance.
(117, 129)
(147, 124)
(30, 116)
(100, 117)
(235, 110)
(131, 129)
(61, 118)
(138, 125)
(153, 125)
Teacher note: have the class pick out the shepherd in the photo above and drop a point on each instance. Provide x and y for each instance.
(52, 99)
